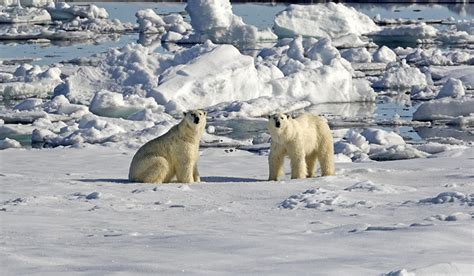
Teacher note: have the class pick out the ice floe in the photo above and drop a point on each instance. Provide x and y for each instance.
(19, 15)
(444, 108)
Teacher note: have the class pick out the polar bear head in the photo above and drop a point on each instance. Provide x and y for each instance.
(278, 123)
(195, 118)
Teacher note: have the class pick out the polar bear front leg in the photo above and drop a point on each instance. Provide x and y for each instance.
(275, 162)
(196, 174)
(185, 169)
(311, 164)
(298, 164)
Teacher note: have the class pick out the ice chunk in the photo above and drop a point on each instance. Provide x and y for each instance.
(408, 32)
(111, 104)
(214, 20)
(445, 108)
(223, 74)
(150, 22)
(452, 88)
(384, 55)
(359, 55)
(322, 20)
(9, 143)
(401, 76)
(397, 152)
(382, 137)
(19, 15)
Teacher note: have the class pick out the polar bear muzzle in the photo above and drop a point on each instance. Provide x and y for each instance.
(277, 123)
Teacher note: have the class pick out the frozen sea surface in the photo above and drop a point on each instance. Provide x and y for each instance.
(258, 14)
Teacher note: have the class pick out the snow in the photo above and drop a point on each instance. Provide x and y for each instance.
(233, 217)
(323, 20)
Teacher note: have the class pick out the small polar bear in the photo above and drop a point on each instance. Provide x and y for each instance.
(173, 154)
(304, 139)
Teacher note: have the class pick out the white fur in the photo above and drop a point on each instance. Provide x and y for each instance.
(173, 154)
(305, 140)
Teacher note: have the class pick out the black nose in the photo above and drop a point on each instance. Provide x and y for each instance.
(277, 124)
(196, 120)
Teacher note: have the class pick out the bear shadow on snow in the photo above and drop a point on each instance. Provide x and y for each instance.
(109, 180)
(217, 179)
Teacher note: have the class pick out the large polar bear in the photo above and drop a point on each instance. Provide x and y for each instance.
(304, 139)
(173, 154)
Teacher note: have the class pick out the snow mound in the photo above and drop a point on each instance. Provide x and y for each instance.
(322, 20)
(450, 197)
(319, 199)
(445, 108)
(369, 186)
(214, 20)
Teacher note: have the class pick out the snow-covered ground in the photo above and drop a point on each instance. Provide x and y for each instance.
(64, 211)
(398, 95)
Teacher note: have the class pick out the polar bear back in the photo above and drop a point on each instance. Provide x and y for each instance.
(313, 130)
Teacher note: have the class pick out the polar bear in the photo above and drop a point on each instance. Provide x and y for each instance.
(173, 154)
(304, 139)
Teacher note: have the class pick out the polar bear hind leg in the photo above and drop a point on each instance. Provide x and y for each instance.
(326, 161)
(157, 170)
